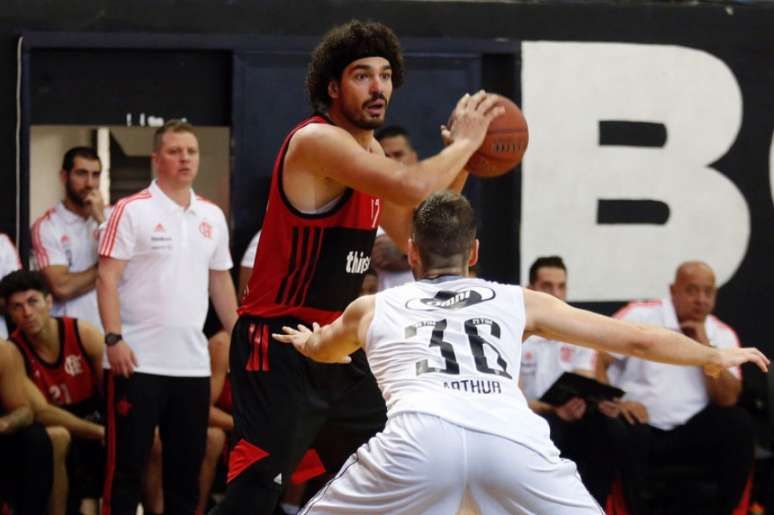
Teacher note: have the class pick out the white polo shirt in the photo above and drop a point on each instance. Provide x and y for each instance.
(248, 259)
(9, 262)
(165, 287)
(671, 393)
(543, 361)
(61, 237)
(389, 279)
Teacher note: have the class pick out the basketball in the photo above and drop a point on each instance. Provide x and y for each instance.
(504, 144)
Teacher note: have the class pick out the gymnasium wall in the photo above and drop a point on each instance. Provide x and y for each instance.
(651, 124)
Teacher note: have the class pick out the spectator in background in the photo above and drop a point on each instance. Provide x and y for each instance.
(391, 264)
(678, 415)
(63, 358)
(27, 464)
(9, 262)
(163, 251)
(370, 283)
(589, 434)
(64, 239)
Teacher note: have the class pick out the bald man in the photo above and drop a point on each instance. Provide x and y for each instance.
(678, 415)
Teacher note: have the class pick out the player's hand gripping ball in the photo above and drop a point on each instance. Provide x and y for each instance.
(504, 144)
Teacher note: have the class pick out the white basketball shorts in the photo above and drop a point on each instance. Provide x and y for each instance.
(421, 464)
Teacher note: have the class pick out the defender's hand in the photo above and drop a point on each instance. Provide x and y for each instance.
(305, 342)
(727, 358)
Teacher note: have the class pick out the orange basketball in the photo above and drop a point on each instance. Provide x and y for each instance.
(504, 144)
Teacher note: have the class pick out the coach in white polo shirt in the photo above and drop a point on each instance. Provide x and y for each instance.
(588, 434)
(679, 413)
(162, 251)
(64, 238)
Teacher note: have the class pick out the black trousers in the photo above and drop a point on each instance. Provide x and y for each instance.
(26, 470)
(136, 405)
(595, 443)
(285, 404)
(718, 440)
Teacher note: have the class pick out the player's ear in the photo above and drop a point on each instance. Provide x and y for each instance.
(473, 259)
(333, 89)
(413, 255)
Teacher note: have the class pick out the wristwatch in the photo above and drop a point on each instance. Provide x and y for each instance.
(112, 338)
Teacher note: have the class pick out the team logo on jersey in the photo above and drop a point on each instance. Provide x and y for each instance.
(206, 230)
(159, 228)
(451, 300)
(124, 407)
(357, 262)
(73, 365)
(67, 247)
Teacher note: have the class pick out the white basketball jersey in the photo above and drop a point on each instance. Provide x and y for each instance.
(451, 347)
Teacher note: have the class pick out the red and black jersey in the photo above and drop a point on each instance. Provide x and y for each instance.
(310, 266)
(70, 381)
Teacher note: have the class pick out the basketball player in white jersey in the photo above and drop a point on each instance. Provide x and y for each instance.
(445, 351)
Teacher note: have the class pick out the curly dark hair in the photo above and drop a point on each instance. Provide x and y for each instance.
(344, 44)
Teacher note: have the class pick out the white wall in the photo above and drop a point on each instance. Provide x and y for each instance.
(48, 143)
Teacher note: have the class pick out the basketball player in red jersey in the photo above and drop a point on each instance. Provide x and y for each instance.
(63, 358)
(332, 186)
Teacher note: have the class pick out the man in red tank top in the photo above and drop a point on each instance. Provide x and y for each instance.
(63, 358)
(332, 186)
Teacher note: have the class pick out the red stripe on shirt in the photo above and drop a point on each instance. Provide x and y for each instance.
(111, 232)
(41, 255)
(265, 348)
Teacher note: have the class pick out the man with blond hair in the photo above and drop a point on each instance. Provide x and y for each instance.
(163, 252)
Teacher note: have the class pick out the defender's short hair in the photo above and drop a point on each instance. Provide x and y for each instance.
(444, 228)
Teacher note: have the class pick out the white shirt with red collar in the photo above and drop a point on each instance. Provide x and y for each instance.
(389, 279)
(671, 393)
(61, 237)
(164, 290)
(543, 361)
(9, 262)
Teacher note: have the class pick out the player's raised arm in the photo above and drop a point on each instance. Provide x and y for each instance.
(333, 343)
(334, 153)
(551, 318)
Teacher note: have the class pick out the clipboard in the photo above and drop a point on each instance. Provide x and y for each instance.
(571, 385)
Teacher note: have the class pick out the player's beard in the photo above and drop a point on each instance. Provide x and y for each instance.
(360, 118)
(73, 195)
